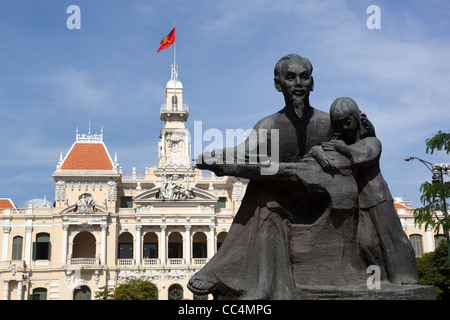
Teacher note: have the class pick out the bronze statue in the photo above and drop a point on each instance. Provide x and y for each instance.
(321, 219)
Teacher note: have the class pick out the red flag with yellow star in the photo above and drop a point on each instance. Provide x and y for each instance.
(167, 41)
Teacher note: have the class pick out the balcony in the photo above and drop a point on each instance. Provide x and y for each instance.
(198, 261)
(174, 108)
(151, 262)
(126, 262)
(84, 261)
(212, 177)
(16, 211)
(176, 261)
(133, 176)
(174, 112)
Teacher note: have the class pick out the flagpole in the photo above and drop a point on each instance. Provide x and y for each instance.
(175, 62)
(175, 45)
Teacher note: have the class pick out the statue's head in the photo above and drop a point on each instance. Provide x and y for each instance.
(345, 116)
(293, 77)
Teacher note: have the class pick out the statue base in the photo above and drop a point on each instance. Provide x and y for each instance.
(387, 291)
(327, 264)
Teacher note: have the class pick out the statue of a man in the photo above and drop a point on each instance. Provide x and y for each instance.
(321, 218)
(259, 233)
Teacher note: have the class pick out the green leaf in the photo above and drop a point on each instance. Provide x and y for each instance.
(439, 141)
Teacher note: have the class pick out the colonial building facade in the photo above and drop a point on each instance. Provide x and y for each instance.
(422, 239)
(107, 226)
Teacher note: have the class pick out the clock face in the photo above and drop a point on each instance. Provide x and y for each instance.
(175, 146)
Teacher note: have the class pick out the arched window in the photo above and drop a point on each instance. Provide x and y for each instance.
(125, 246)
(84, 245)
(174, 103)
(199, 246)
(438, 238)
(38, 294)
(17, 248)
(175, 249)
(175, 292)
(220, 239)
(42, 246)
(416, 241)
(150, 246)
(82, 293)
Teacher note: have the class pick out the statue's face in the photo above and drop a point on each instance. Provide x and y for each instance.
(294, 80)
(346, 126)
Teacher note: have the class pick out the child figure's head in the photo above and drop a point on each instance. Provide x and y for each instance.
(345, 118)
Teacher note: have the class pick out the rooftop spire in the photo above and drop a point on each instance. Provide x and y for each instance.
(174, 83)
(174, 73)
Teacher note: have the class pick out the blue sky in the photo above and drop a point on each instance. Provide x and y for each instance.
(52, 79)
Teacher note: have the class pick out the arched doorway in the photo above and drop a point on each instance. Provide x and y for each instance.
(82, 293)
(84, 245)
(175, 292)
(175, 248)
(39, 294)
(220, 239)
(150, 246)
(199, 246)
(125, 249)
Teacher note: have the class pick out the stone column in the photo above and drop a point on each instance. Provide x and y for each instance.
(163, 150)
(5, 289)
(28, 244)
(188, 244)
(163, 245)
(429, 240)
(186, 144)
(103, 250)
(6, 231)
(211, 241)
(19, 289)
(64, 245)
(138, 245)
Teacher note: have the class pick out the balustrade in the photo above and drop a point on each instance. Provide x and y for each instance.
(176, 261)
(125, 262)
(83, 261)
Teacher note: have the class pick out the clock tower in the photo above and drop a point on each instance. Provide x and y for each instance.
(174, 147)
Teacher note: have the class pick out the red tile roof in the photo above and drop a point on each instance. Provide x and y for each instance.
(7, 204)
(87, 156)
(400, 206)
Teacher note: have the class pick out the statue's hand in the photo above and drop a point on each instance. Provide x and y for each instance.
(218, 156)
(338, 143)
(211, 161)
(326, 163)
(328, 146)
(323, 159)
(335, 145)
(208, 158)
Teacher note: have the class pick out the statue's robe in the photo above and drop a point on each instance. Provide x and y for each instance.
(254, 262)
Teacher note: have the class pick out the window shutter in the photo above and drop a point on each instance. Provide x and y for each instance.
(34, 251)
(17, 248)
(49, 249)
